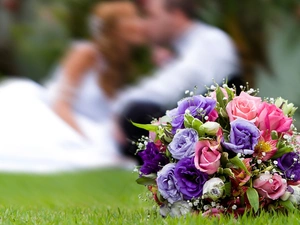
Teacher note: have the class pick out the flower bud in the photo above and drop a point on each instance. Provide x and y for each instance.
(213, 189)
(286, 195)
(287, 108)
(210, 128)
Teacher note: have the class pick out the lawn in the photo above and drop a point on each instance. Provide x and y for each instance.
(94, 197)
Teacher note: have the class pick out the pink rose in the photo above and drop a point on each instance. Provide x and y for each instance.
(207, 157)
(270, 186)
(272, 118)
(244, 106)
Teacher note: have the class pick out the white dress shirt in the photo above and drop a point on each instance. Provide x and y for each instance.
(203, 52)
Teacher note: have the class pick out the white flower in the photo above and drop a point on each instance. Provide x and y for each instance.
(210, 128)
(164, 210)
(287, 108)
(213, 189)
(180, 208)
(177, 209)
(295, 196)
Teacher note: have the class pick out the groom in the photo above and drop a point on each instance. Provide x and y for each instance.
(202, 53)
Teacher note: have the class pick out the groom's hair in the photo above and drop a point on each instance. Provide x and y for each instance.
(188, 7)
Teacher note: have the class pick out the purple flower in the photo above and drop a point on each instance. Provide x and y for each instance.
(167, 184)
(244, 137)
(190, 180)
(290, 165)
(153, 159)
(198, 106)
(183, 144)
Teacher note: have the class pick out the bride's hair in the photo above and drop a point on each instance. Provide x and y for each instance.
(105, 19)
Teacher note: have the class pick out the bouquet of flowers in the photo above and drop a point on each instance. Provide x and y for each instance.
(222, 154)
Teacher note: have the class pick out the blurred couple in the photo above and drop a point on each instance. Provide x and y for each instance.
(80, 118)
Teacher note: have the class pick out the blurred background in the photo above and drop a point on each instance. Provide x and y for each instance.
(35, 33)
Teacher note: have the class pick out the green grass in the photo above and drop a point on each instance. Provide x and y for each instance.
(95, 197)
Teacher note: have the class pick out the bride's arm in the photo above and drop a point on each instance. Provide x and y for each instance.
(74, 67)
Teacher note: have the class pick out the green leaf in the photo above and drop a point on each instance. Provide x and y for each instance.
(220, 97)
(230, 93)
(227, 189)
(253, 198)
(191, 122)
(228, 172)
(224, 159)
(282, 149)
(223, 113)
(199, 129)
(160, 197)
(196, 124)
(220, 170)
(288, 205)
(188, 120)
(239, 163)
(147, 180)
(168, 153)
(274, 135)
(148, 127)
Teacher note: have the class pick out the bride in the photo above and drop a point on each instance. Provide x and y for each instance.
(66, 124)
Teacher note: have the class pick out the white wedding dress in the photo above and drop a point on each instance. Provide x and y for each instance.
(34, 139)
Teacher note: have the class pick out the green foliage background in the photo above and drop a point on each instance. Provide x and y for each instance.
(46, 30)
